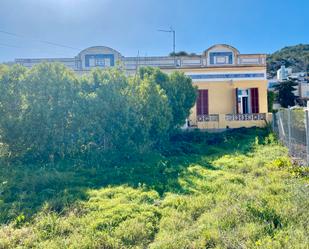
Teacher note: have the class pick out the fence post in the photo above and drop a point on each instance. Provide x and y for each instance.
(280, 127)
(307, 134)
(273, 122)
(289, 127)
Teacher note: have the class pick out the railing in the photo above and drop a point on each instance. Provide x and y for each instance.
(208, 118)
(245, 117)
(232, 117)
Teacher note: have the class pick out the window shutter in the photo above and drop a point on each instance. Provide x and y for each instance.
(202, 102)
(199, 103)
(236, 94)
(205, 102)
(254, 92)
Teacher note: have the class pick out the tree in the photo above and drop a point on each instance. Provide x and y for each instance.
(123, 114)
(12, 108)
(3, 69)
(271, 96)
(37, 117)
(50, 93)
(179, 90)
(285, 95)
(182, 53)
(107, 120)
(152, 106)
(48, 113)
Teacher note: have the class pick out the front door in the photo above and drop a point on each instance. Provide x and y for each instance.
(245, 105)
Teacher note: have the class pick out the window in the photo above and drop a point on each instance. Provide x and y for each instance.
(202, 102)
(220, 58)
(107, 62)
(91, 62)
(100, 62)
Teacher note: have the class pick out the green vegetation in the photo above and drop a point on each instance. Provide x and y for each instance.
(285, 93)
(182, 53)
(296, 57)
(236, 189)
(99, 162)
(271, 97)
(48, 113)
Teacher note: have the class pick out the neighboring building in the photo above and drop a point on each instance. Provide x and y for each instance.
(232, 86)
(287, 73)
(283, 73)
(302, 90)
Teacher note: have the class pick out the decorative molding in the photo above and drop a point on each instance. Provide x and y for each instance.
(208, 118)
(245, 117)
(249, 61)
(226, 76)
(191, 62)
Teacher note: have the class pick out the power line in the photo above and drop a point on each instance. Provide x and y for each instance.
(59, 45)
(9, 33)
(37, 40)
(9, 46)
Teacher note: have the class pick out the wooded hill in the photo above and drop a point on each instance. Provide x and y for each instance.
(296, 57)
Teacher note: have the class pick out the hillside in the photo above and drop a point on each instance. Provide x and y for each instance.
(296, 57)
(237, 189)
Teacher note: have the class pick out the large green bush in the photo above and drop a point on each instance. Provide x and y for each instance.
(37, 114)
(49, 113)
(12, 109)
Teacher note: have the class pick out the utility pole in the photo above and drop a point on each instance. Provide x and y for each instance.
(171, 30)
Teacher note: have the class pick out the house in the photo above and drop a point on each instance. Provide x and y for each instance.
(232, 87)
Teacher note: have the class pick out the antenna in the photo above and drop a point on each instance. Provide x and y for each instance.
(171, 30)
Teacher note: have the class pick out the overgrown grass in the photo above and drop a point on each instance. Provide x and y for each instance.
(232, 190)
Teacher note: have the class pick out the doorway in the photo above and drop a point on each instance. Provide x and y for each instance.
(245, 105)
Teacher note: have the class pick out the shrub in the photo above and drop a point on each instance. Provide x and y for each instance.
(180, 93)
(47, 113)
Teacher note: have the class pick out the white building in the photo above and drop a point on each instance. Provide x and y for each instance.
(283, 73)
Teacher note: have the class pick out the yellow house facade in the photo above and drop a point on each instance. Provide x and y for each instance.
(231, 103)
(232, 87)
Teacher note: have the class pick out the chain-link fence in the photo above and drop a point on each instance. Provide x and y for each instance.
(292, 127)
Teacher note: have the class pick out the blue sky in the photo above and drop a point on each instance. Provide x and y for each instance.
(129, 26)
